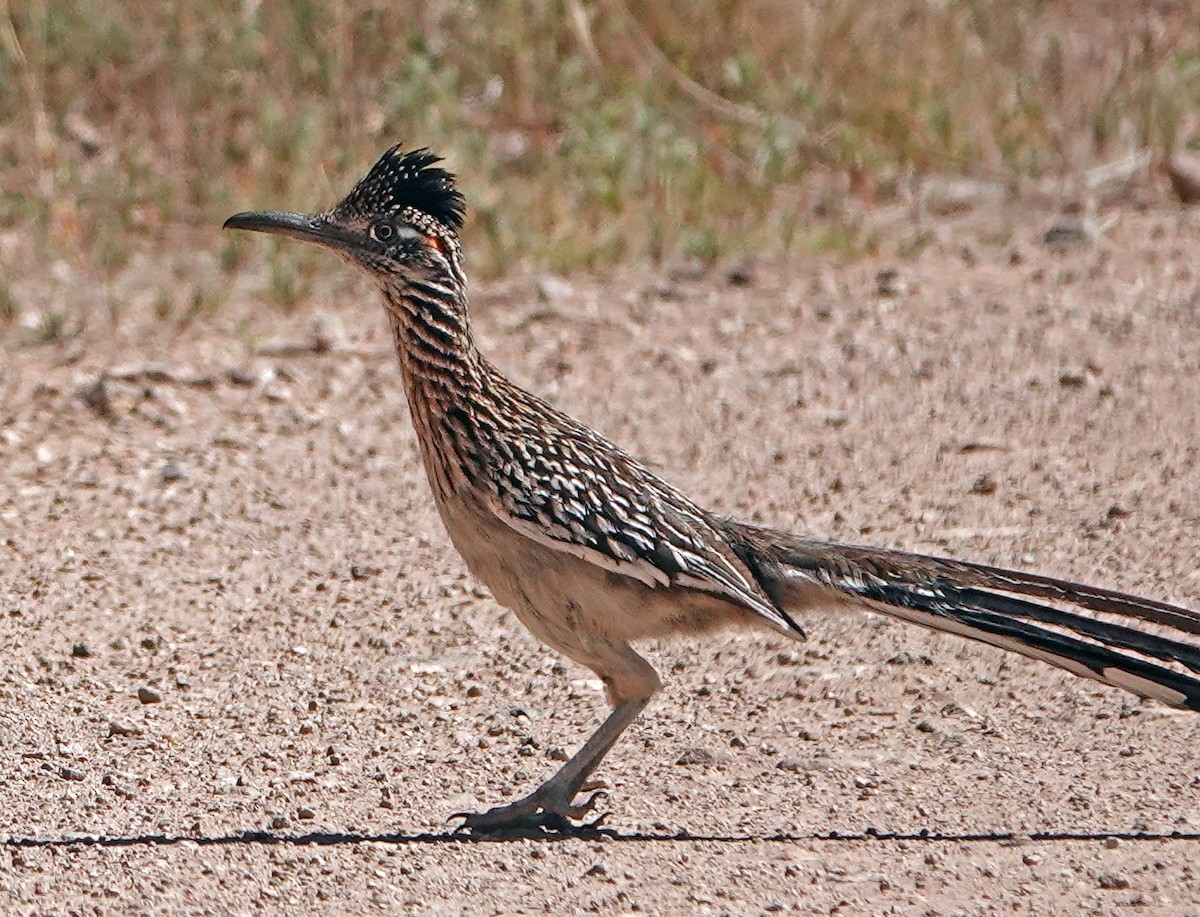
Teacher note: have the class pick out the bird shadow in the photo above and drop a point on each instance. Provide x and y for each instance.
(593, 833)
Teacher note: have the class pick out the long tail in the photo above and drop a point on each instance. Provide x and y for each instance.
(1154, 652)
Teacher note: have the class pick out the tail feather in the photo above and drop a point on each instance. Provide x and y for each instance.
(991, 605)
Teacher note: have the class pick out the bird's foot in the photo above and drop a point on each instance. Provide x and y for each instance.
(543, 813)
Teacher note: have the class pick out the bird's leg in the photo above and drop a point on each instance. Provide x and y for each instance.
(552, 805)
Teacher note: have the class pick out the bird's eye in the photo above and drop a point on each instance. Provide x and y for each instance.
(383, 232)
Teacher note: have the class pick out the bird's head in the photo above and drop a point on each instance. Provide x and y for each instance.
(400, 222)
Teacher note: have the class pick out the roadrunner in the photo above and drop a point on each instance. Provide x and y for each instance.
(592, 551)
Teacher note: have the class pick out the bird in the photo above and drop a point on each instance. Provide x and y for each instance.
(594, 552)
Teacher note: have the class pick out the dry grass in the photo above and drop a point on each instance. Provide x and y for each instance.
(586, 133)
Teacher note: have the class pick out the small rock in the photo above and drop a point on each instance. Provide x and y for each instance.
(81, 650)
(242, 377)
(278, 822)
(984, 484)
(98, 397)
(149, 695)
(888, 282)
(1072, 378)
(696, 756)
(1070, 230)
(740, 276)
(907, 658)
(363, 571)
(1184, 174)
(172, 471)
(125, 730)
(597, 870)
(552, 289)
(69, 773)
(926, 726)
(327, 333)
(474, 691)
(1112, 843)
(304, 813)
(1031, 859)
(1112, 881)
(1017, 840)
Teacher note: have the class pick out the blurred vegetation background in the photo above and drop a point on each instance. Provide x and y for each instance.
(585, 132)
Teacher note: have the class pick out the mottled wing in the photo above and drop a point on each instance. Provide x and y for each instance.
(561, 484)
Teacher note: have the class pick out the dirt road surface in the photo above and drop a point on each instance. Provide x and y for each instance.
(244, 670)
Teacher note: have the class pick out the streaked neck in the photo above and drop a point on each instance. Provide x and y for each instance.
(432, 330)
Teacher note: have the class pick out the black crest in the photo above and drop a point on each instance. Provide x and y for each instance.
(401, 180)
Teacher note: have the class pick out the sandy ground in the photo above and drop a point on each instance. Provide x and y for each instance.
(244, 670)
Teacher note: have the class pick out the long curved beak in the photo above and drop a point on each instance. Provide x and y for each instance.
(303, 226)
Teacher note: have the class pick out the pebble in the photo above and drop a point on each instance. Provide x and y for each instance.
(984, 484)
(304, 813)
(692, 756)
(173, 471)
(1184, 175)
(98, 397)
(149, 695)
(81, 650)
(741, 276)
(1072, 378)
(1070, 230)
(327, 333)
(552, 289)
(888, 282)
(242, 377)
